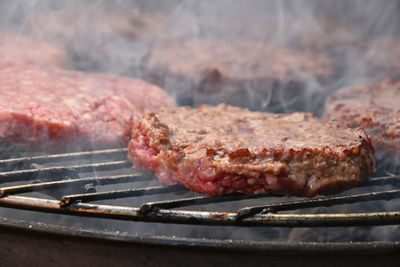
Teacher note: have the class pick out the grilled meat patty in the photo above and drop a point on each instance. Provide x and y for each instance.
(381, 56)
(224, 149)
(375, 107)
(51, 107)
(18, 50)
(104, 37)
(247, 74)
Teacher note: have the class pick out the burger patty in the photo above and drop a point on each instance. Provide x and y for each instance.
(18, 50)
(382, 56)
(374, 107)
(224, 149)
(121, 36)
(110, 20)
(247, 74)
(50, 107)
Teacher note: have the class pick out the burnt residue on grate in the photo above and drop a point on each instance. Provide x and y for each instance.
(91, 183)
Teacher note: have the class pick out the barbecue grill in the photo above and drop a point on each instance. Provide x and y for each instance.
(91, 208)
(103, 184)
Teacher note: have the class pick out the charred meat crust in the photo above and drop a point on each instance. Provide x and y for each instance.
(220, 150)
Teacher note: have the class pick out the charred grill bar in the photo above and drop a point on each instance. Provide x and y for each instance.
(71, 194)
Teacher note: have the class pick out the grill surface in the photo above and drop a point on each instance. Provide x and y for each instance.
(69, 182)
(125, 217)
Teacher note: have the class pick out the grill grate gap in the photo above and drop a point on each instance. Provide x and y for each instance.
(169, 204)
(74, 182)
(319, 202)
(54, 172)
(64, 156)
(68, 200)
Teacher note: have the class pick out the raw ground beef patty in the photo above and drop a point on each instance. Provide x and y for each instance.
(375, 107)
(18, 50)
(51, 107)
(224, 149)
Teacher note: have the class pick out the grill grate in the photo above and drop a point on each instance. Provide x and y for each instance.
(70, 188)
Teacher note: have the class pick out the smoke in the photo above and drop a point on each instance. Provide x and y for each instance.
(359, 38)
(119, 36)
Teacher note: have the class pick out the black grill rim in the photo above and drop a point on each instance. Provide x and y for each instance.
(272, 247)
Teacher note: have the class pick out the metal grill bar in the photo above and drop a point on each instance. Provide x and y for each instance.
(64, 156)
(203, 217)
(68, 200)
(74, 182)
(24, 175)
(319, 202)
(153, 206)
(61, 177)
(394, 179)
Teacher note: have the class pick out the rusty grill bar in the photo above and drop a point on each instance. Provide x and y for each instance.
(79, 193)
